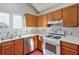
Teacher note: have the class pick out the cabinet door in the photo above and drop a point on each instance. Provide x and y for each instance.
(19, 49)
(8, 50)
(39, 21)
(70, 16)
(58, 14)
(28, 20)
(67, 51)
(31, 20)
(78, 15)
(44, 20)
(40, 42)
(0, 49)
(50, 16)
(35, 39)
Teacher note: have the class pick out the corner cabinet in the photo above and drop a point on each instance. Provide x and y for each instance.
(69, 48)
(40, 43)
(39, 21)
(35, 39)
(70, 16)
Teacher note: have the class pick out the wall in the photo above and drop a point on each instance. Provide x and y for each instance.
(16, 8)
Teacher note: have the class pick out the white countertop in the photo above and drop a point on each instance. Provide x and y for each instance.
(23, 36)
(71, 39)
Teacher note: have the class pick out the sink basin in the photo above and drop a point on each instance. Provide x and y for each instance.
(56, 37)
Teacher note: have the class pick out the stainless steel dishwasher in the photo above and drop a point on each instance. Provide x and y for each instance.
(28, 44)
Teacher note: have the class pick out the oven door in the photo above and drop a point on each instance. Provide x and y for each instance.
(50, 47)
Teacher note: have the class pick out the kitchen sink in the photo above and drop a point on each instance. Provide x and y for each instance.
(56, 37)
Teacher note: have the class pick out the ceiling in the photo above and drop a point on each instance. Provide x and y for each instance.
(40, 7)
(43, 7)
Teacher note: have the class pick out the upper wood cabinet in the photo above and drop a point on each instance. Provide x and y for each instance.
(44, 20)
(78, 15)
(39, 21)
(50, 16)
(58, 14)
(70, 16)
(31, 20)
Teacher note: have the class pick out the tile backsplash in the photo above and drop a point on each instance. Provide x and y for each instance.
(9, 33)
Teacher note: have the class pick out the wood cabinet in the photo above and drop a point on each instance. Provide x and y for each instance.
(70, 16)
(69, 48)
(40, 43)
(50, 16)
(35, 39)
(8, 48)
(31, 20)
(58, 14)
(39, 21)
(19, 47)
(0, 49)
(78, 14)
(44, 20)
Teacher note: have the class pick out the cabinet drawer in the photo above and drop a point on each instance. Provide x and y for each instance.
(9, 43)
(19, 41)
(67, 51)
(69, 45)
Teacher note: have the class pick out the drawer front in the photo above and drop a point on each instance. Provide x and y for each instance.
(18, 41)
(8, 50)
(67, 51)
(69, 45)
(9, 43)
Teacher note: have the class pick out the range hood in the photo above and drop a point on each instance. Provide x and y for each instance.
(56, 22)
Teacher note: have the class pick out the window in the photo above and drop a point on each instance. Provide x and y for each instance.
(4, 20)
(17, 22)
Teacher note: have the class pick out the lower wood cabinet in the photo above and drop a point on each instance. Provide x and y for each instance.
(19, 47)
(8, 48)
(69, 48)
(0, 49)
(67, 51)
(40, 43)
(35, 39)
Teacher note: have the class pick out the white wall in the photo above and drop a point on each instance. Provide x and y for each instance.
(15, 8)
